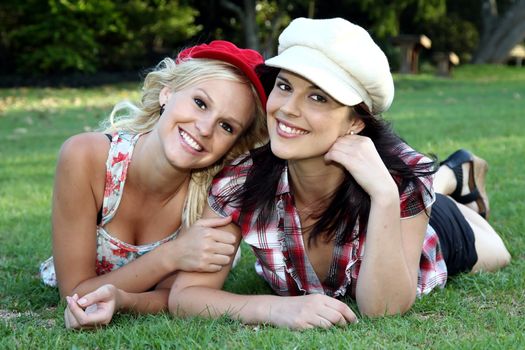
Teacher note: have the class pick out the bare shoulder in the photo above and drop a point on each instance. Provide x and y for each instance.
(88, 149)
(82, 165)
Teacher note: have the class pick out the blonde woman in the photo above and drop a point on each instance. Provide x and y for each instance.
(126, 201)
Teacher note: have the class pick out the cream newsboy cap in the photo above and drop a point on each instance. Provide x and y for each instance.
(340, 58)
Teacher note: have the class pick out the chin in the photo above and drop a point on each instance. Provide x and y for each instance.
(277, 151)
(283, 152)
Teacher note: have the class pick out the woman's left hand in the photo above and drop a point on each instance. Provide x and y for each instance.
(359, 156)
(94, 309)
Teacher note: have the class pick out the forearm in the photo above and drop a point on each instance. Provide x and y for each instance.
(137, 276)
(144, 303)
(385, 284)
(213, 303)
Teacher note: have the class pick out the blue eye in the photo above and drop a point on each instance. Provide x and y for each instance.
(200, 103)
(226, 127)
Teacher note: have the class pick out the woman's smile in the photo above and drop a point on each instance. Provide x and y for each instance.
(188, 141)
(287, 130)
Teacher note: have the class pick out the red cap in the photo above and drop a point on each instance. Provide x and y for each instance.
(244, 59)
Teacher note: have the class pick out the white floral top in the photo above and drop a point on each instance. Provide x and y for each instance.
(112, 253)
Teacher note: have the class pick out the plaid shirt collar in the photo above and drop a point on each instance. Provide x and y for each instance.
(301, 277)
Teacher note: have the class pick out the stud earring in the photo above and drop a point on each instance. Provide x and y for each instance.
(352, 132)
(162, 109)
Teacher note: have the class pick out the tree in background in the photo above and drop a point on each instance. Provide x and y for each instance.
(500, 33)
(62, 36)
(259, 22)
(56, 36)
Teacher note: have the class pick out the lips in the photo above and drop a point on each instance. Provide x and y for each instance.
(290, 130)
(190, 141)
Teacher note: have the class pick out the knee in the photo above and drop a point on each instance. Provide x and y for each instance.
(505, 260)
(493, 262)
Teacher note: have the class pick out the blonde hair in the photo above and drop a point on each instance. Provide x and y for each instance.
(142, 117)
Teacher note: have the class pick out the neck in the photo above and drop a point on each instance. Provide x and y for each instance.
(313, 180)
(151, 173)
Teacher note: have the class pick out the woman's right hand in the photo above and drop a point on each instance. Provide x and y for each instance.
(311, 311)
(203, 247)
(93, 309)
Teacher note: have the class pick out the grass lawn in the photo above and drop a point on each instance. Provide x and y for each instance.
(481, 108)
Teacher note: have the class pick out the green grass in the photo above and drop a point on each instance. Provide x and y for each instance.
(481, 108)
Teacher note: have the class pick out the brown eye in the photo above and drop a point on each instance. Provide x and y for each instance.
(226, 127)
(318, 98)
(200, 103)
(282, 86)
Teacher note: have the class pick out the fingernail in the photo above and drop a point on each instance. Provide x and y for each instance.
(82, 301)
(68, 299)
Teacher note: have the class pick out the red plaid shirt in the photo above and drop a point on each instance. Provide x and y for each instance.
(281, 257)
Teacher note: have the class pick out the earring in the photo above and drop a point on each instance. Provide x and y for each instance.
(352, 132)
(162, 109)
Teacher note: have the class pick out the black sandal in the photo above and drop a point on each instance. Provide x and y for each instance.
(454, 162)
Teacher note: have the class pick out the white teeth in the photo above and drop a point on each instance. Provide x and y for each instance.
(290, 130)
(190, 141)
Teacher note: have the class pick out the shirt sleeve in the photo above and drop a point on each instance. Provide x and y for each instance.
(226, 185)
(419, 194)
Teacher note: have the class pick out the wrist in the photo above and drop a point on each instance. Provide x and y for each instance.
(122, 299)
(267, 310)
(169, 252)
(386, 194)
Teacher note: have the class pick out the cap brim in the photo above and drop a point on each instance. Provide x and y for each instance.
(321, 71)
(238, 62)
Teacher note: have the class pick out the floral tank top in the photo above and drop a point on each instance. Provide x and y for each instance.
(112, 253)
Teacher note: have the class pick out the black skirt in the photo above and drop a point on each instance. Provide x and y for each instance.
(456, 237)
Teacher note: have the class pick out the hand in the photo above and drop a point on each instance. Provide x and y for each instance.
(359, 156)
(310, 311)
(93, 309)
(203, 248)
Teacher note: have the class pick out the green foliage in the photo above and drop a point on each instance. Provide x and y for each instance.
(385, 15)
(56, 36)
(451, 33)
(449, 24)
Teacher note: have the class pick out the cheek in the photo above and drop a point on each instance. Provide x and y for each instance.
(223, 145)
(272, 104)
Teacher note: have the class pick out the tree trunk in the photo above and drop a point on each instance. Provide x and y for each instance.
(500, 33)
(251, 31)
(246, 16)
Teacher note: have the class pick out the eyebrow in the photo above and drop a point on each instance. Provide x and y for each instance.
(207, 96)
(229, 119)
(311, 87)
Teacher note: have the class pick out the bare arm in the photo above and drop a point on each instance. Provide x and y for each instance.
(98, 307)
(199, 294)
(387, 280)
(77, 197)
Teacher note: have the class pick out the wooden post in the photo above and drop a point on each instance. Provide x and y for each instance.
(445, 61)
(410, 46)
(518, 54)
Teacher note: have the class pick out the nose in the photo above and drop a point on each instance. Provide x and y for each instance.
(204, 126)
(291, 106)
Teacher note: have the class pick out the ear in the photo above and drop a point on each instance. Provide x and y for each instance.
(356, 126)
(164, 95)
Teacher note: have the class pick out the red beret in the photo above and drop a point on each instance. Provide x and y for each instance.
(244, 59)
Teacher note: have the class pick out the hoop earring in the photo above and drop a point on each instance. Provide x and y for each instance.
(162, 109)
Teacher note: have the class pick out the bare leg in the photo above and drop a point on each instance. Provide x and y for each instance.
(445, 181)
(492, 253)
